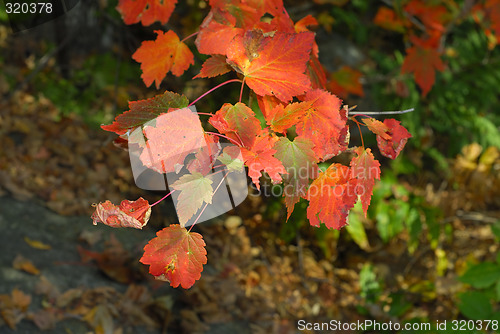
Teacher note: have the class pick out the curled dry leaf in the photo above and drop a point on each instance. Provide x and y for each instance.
(129, 214)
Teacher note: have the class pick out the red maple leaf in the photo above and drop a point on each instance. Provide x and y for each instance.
(299, 161)
(176, 256)
(158, 57)
(171, 138)
(365, 169)
(145, 110)
(423, 62)
(260, 158)
(391, 136)
(331, 195)
(129, 214)
(325, 124)
(146, 11)
(399, 136)
(214, 66)
(238, 122)
(273, 65)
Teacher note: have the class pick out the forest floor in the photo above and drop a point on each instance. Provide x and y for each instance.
(62, 274)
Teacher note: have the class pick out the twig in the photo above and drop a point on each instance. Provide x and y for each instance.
(393, 112)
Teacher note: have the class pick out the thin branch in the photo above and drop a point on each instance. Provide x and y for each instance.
(170, 193)
(193, 34)
(211, 90)
(393, 112)
(206, 204)
(218, 134)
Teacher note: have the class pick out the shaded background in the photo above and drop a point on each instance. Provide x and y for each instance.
(434, 216)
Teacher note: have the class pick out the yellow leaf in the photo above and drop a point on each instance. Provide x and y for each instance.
(36, 244)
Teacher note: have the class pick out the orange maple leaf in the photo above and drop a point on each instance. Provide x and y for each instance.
(331, 195)
(423, 63)
(158, 57)
(216, 32)
(176, 256)
(273, 65)
(146, 11)
(214, 66)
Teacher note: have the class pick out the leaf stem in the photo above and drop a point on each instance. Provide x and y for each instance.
(205, 113)
(206, 204)
(170, 193)
(241, 91)
(359, 128)
(188, 37)
(218, 134)
(211, 90)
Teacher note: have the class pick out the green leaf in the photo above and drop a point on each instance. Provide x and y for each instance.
(399, 304)
(231, 160)
(144, 111)
(195, 189)
(482, 275)
(370, 287)
(475, 305)
(414, 226)
(299, 161)
(355, 227)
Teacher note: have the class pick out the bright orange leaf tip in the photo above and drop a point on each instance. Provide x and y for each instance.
(176, 256)
(146, 11)
(158, 57)
(273, 65)
(129, 214)
(423, 62)
(214, 66)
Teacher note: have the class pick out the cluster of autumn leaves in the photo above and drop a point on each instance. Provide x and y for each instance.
(425, 25)
(305, 124)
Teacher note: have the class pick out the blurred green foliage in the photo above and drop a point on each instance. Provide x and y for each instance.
(92, 89)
